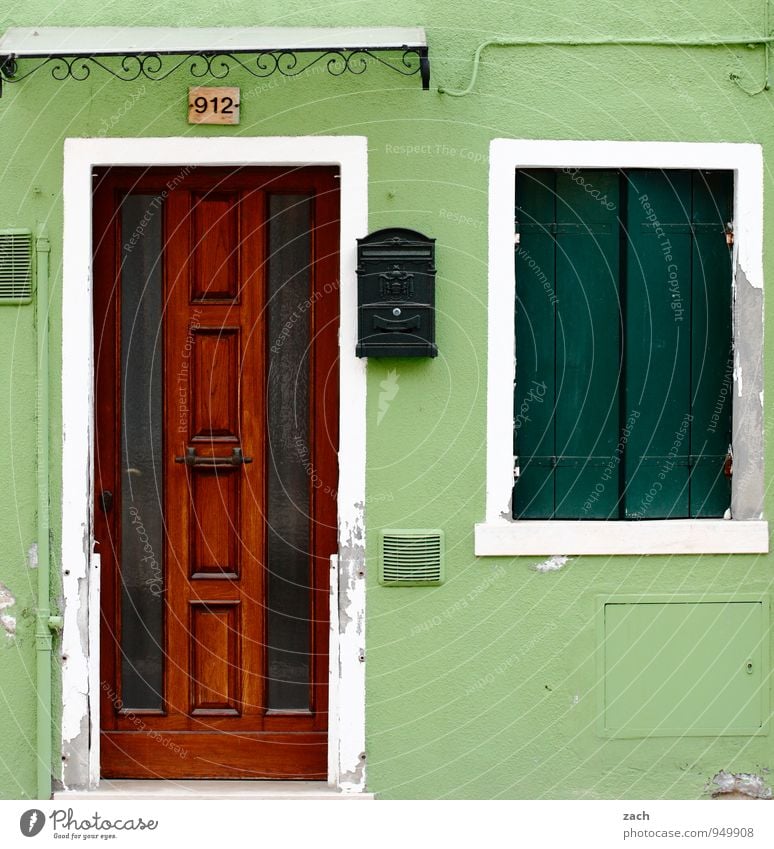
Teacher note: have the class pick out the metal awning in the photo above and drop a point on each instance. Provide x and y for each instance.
(72, 52)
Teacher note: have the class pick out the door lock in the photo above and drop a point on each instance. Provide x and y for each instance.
(106, 500)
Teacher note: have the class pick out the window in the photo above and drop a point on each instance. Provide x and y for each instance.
(622, 403)
(612, 343)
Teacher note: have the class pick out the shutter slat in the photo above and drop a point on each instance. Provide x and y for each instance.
(533, 496)
(711, 353)
(588, 341)
(658, 330)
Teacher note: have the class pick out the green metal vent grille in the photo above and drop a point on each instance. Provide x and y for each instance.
(411, 558)
(15, 267)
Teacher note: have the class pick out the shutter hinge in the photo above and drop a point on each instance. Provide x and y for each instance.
(730, 234)
(516, 470)
(516, 238)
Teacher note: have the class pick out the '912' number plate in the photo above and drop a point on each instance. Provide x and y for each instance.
(208, 105)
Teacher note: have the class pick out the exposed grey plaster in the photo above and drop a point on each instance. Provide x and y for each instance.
(75, 747)
(351, 570)
(32, 556)
(739, 784)
(356, 776)
(75, 759)
(747, 427)
(344, 618)
(351, 657)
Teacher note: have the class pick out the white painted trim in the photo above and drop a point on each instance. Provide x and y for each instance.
(91, 41)
(505, 156)
(668, 536)
(80, 668)
(199, 790)
(333, 670)
(95, 586)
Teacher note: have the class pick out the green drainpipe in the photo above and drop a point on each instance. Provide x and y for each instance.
(45, 622)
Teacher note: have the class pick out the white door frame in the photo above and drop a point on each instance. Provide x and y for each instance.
(80, 566)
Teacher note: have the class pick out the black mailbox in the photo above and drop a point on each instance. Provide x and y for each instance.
(396, 294)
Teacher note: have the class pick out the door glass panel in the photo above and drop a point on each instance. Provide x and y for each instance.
(141, 448)
(290, 460)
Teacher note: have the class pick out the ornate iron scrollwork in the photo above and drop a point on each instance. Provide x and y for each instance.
(159, 66)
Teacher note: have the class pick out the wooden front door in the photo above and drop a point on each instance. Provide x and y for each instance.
(215, 334)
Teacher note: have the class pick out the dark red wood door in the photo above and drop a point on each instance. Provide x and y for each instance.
(216, 322)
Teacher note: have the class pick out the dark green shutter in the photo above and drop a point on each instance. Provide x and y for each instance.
(588, 334)
(534, 415)
(711, 349)
(646, 436)
(657, 343)
(567, 342)
(678, 339)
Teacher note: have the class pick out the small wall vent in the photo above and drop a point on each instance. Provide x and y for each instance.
(411, 558)
(15, 267)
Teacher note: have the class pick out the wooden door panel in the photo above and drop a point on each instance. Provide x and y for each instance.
(219, 293)
(216, 527)
(298, 755)
(216, 642)
(214, 382)
(215, 233)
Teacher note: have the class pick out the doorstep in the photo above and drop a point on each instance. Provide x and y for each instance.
(111, 789)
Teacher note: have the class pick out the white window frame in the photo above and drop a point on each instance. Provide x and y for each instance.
(745, 531)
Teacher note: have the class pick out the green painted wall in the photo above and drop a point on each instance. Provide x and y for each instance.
(483, 686)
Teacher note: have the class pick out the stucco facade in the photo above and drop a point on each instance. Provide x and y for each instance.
(487, 685)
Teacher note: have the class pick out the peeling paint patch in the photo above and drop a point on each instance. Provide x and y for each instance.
(739, 784)
(553, 564)
(747, 418)
(351, 648)
(6, 597)
(738, 378)
(8, 623)
(32, 556)
(354, 780)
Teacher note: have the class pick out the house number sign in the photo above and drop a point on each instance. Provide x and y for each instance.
(208, 105)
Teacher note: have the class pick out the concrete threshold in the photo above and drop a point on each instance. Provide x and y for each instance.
(117, 789)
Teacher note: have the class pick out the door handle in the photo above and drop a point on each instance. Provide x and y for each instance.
(192, 459)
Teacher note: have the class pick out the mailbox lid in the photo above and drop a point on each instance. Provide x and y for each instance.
(396, 242)
(383, 334)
